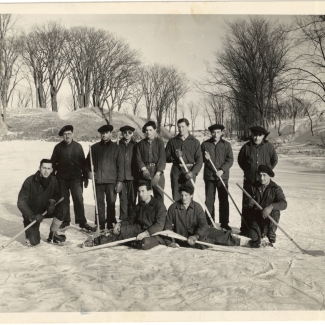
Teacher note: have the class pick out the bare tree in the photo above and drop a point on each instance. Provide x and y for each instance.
(136, 94)
(194, 111)
(24, 98)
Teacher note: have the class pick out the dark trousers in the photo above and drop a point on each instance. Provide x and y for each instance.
(177, 178)
(75, 186)
(210, 195)
(128, 197)
(219, 237)
(244, 229)
(107, 190)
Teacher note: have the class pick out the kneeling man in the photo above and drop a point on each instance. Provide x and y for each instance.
(146, 219)
(39, 193)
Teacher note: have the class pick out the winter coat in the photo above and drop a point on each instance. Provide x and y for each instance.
(108, 162)
(69, 160)
(33, 199)
(130, 170)
(221, 156)
(251, 156)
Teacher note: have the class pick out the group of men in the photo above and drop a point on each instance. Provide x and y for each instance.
(129, 168)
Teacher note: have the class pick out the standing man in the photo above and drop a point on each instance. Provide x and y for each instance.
(257, 151)
(39, 193)
(270, 197)
(151, 159)
(69, 166)
(108, 169)
(192, 155)
(220, 153)
(128, 195)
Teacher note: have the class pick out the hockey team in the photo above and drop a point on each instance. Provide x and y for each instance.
(135, 171)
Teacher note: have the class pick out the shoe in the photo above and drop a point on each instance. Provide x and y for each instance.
(227, 227)
(244, 234)
(272, 241)
(254, 244)
(87, 227)
(54, 238)
(65, 225)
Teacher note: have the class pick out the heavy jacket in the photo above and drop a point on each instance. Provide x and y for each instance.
(108, 162)
(251, 156)
(69, 160)
(273, 194)
(221, 156)
(130, 170)
(33, 199)
(153, 152)
(191, 149)
(150, 217)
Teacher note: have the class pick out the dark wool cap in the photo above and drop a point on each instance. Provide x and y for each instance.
(66, 128)
(265, 169)
(105, 128)
(149, 123)
(127, 128)
(259, 129)
(216, 127)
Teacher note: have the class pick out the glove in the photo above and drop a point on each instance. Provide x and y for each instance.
(173, 245)
(192, 239)
(143, 235)
(189, 175)
(207, 155)
(50, 206)
(117, 228)
(266, 211)
(118, 187)
(38, 217)
(219, 173)
(155, 179)
(85, 181)
(146, 174)
(250, 203)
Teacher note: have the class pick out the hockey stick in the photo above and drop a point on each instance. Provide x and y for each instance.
(160, 189)
(12, 239)
(304, 251)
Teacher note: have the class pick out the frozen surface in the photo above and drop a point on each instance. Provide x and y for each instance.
(46, 278)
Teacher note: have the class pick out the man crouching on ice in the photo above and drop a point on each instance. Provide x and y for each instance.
(39, 193)
(147, 218)
(187, 218)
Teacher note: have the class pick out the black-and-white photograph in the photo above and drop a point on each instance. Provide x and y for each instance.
(162, 162)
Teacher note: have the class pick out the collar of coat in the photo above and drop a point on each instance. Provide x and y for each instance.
(212, 141)
(251, 142)
(131, 141)
(37, 177)
(67, 144)
(271, 184)
(102, 143)
(181, 206)
(189, 137)
(151, 202)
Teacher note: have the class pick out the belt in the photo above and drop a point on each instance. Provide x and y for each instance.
(187, 165)
(151, 164)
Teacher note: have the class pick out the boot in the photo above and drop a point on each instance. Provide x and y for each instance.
(54, 238)
(86, 227)
(65, 225)
(226, 226)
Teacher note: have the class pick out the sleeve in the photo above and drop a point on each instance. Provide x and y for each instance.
(161, 164)
(160, 219)
(241, 158)
(229, 159)
(202, 225)
(198, 158)
(274, 158)
(140, 163)
(280, 202)
(120, 165)
(169, 225)
(23, 198)
(168, 152)
(88, 165)
(203, 148)
(82, 162)
(54, 159)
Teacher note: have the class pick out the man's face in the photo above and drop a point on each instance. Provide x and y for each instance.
(68, 136)
(186, 197)
(264, 178)
(216, 135)
(150, 132)
(106, 136)
(144, 194)
(258, 137)
(127, 135)
(46, 169)
(182, 128)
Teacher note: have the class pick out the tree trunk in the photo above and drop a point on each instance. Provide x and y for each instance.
(54, 102)
(41, 96)
(175, 117)
(294, 126)
(279, 132)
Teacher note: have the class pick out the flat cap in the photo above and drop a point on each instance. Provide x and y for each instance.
(216, 127)
(149, 123)
(66, 128)
(265, 169)
(105, 128)
(259, 129)
(127, 128)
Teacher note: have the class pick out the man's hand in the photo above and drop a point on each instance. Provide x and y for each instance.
(143, 235)
(85, 181)
(118, 187)
(207, 155)
(90, 175)
(117, 228)
(155, 179)
(219, 173)
(146, 174)
(266, 211)
(249, 203)
(189, 175)
(50, 206)
(179, 153)
(38, 217)
(173, 245)
(192, 239)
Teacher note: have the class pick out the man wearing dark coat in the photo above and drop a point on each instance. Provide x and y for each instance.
(128, 195)
(151, 159)
(220, 153)
(257, 151)
(108, 173)
(271, 198)
(69, 167)
(148, 218)
(189, 147)
(39, 193)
